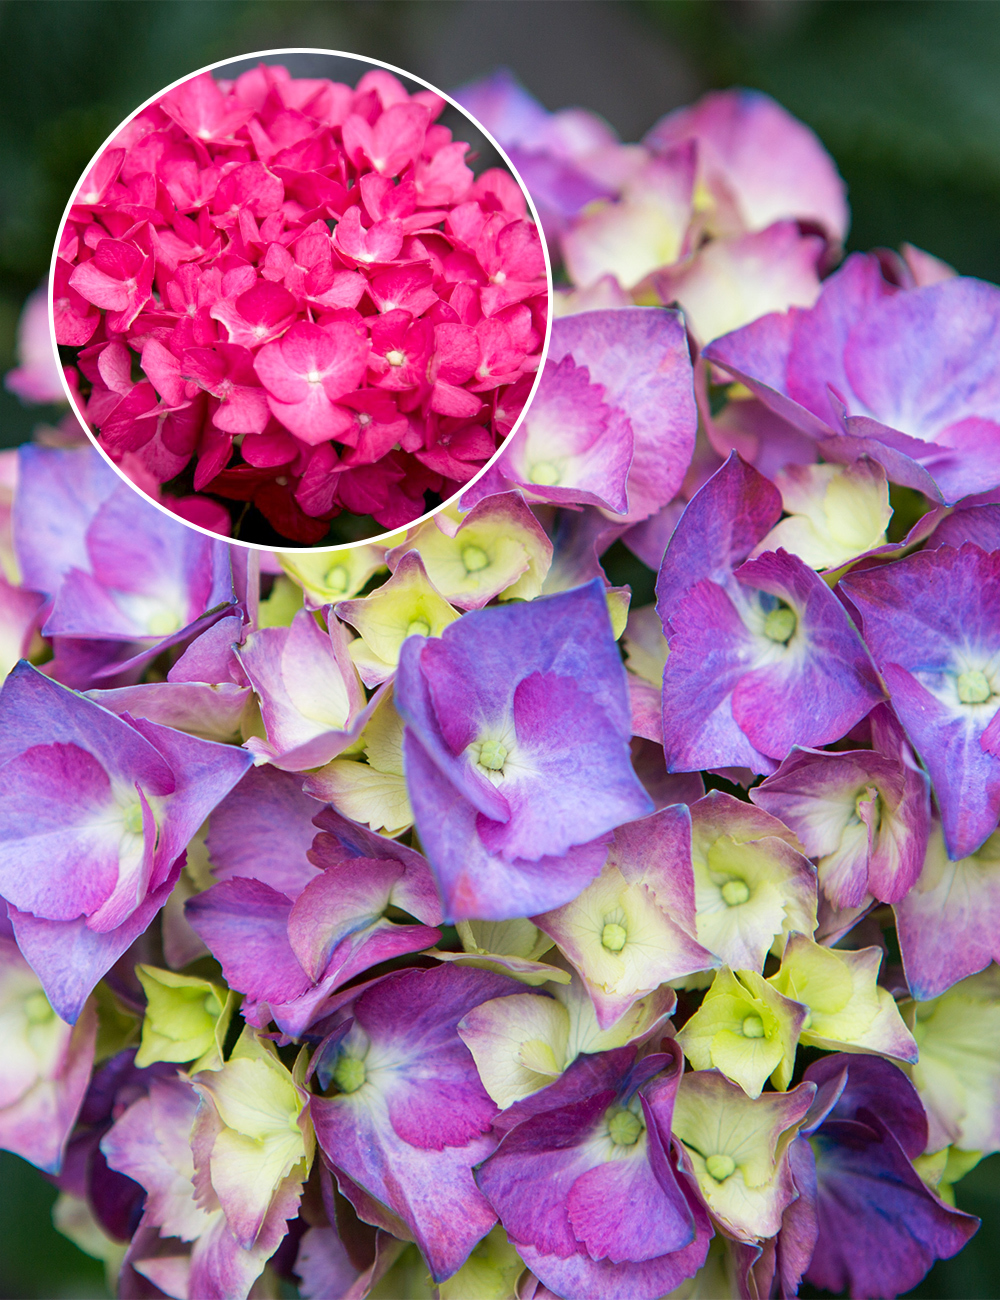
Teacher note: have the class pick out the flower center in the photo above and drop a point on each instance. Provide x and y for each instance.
(870, 797)
(780, 624)
(753, 1027)
(418, 627)
(720, 1167)
(474, 558)
(493, 755)
(614, 936)
(350, 1074)
(624, 1128)
(163, 623)
(133, 818)
(735, 892)
(314, 377)
(545, 474)
(395, 357)
(973, 687)
(36, 1009)
(337, 578)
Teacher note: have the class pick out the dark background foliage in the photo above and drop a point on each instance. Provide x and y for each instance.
(904, 93)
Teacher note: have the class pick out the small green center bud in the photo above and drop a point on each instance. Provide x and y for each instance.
(395, 357)
(36, 1008)
(973, 687)
(337, 578)
(474, 558)
(735, 892)
(133, 818)
(614, 936)
(163, 623)
(418, 627)
(753, 1027)
(720, 1167)
(350, 1074)
(624, 1128)
(780, 624)
(493, 755)
(870, 797)
(545, 474)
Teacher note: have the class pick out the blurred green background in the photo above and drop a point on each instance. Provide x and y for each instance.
(904, 93)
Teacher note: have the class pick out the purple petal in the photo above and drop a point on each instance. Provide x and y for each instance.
(436, 1099)
(264, 829)
(299, 668)
(245, 924)
(874, 1084)
(346, 899)
(475, 883)
(640, 357)
(212, 712)
(928, 618)
(880, 1227)
(58, 493)
(823, 685)
(711, 651)
(656, 852)
(342, 841)
(949, 922)
(69, 958)
(432, 1192)
(724, 521)
(205, 773)
(569, 428)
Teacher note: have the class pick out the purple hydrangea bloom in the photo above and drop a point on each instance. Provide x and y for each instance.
(411, 1118)
(125, 580)
(756, 158)
(614, 419)
(311, 700)
(568, 1181)
(289, 954)
(949, 922)
(932, 623)
(548, 149)
(178, 1239)
(906, 376)
(517, 752)
(45, 1066)
(82, 786)
(878, 1226)
(863, 813)
(574, 447)
(763, 655)
(263, 829)
(59, 492)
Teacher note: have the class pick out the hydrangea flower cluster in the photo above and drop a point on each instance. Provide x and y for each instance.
(421, 920)
(294, 293)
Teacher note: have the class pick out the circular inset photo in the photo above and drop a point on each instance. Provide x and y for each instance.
(300, 299)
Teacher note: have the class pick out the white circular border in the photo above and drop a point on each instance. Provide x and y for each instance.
(380, 538)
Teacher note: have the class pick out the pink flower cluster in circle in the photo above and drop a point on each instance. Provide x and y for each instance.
(295, 293)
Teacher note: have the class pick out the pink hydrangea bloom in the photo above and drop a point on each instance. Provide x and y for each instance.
(252, 264)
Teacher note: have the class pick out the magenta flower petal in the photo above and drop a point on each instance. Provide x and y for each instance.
(524, 712)
(245, 925)
(263, 830)
(865, 815)
(639, 356)
(754, 152)
(932, 622)
(409, 1134)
